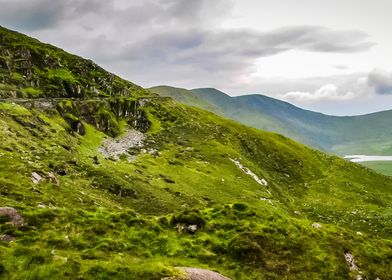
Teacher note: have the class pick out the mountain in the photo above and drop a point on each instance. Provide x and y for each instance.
(222, 104)
(367, 134)
(114, 182)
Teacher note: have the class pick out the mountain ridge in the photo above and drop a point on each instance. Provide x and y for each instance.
(337, 134)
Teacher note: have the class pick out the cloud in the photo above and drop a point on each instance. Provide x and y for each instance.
(29, 15)
(328, 92)
(346, 87)
(380, 81)
(43, 14)
(167, 41)
(185, 44)
(209, 55)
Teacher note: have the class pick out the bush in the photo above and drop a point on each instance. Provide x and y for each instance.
(31, 92)
(189, 217)
(246, 247)
(240, 206)
(2, 269)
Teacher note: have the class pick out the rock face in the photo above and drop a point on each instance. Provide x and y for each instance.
(36, 69)
(13, 215)
(104, 114)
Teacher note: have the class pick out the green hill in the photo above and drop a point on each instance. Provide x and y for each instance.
(177, 187)
(366, 134)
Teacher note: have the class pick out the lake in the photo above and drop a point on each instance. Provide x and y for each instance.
(363, 158)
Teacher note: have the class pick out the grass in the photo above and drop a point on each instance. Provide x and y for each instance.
(383, 167)
(368, 134)
(116, 219)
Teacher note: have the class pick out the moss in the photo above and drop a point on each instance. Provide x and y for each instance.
(246, 248)
(31, 92)
(62, 74)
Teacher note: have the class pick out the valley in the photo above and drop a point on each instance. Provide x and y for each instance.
(367, 134)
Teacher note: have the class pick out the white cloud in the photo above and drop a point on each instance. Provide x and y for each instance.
(328, 92)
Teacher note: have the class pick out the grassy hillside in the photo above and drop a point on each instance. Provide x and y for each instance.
(223, 105)
(196, 190)
(384, 167)
(185, 96)
(367, 134)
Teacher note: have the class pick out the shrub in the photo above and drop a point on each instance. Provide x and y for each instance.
(31, 92)
(240, 206)
(246, 247)
(189, 217)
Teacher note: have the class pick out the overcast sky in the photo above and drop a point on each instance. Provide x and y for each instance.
(331, 56)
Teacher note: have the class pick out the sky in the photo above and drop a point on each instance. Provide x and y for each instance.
(329, 56)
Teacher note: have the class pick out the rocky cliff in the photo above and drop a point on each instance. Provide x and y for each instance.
(29, 68)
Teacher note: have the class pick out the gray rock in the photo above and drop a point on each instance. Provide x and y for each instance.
(7, 238)
(13, 215)
(53, 179)
(36, 178)
(191, 228)
(202, 274)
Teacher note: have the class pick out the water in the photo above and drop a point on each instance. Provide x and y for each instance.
(362, 158)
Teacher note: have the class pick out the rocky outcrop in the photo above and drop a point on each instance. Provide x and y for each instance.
(36, 178)
(190, 273)
(104, 114)
(13, 215)
(26, 63)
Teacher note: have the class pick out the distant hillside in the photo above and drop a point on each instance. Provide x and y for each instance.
(185, 96)
(367, 134)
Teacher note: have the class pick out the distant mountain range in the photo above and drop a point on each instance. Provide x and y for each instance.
(365, 134)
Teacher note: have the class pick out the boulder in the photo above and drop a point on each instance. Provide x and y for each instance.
(13, 215)
(191, 228)
(36, 178)
(52, 178)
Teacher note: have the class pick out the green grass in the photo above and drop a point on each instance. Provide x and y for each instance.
(14, 109)
(368, 134)
(61, 74)
(383, 167)
(116, 219)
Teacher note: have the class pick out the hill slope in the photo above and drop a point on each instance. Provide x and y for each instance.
(367, 134)
(178, 187)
